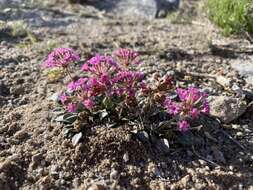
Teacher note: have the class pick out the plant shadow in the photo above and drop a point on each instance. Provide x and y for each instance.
(224, 163)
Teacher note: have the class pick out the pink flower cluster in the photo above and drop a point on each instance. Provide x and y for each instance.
(61, 57)
(114, 78)
(100, 65)
(192, 102)
(105, 77)
(127, 57)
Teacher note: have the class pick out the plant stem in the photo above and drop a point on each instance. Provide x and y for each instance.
(69, 74)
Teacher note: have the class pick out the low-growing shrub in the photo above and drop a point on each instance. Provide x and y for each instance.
(17, 31)
(233, 16)
(110, 90)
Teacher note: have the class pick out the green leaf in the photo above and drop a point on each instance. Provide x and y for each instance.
(59, 118)
(69, 132)
(165, 124)
(107, 103)
(68, 118)
(186, 138)
(57, 109)
(103, 114)
(76, 138)
(111, 125)
(163, 145)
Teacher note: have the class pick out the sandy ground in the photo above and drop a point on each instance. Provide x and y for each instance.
(33, 151)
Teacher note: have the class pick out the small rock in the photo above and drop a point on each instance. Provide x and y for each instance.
(53, 170)
(41, 90)
(36, 159)
(223, 81)
(143, 136)
(129, 137)
(185, 180)
(4, 90)
(162, 186)
(97, 187)
(163, 145)
(231, 167)
(240, 186)
(76, 138)
(4, 129)
(13, 141)
(239, 134)
(202, 162)
(152, 168)
(226, 108)
(76, 182)
(113, 174)
(114, 185)
(19, 81)
(45, 182)
(4, 43)
(17, 90)
(22, 134)
(5, 165)
(126, 157)
(235, 126)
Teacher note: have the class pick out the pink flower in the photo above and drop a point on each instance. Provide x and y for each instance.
(172, 108)
(72, 86)
(182, 93)
(99, 65)
(81, 84)
(105, 79)
(191, 103)
(63, 98)
(194, 113)
(131, 92)
(85, 67)
(206, 107)
(89, 104)
(194, 94)
(191, 94)
(194, 101)
(72, 107)
(61, 57)
(96, 87)
(183, 125)
(92, 81)
(127, 82)
(119, 91)
(127, 57)
(143, 86)
(128, 77)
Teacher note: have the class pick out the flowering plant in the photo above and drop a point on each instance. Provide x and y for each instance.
(192, 102)
(112, 86)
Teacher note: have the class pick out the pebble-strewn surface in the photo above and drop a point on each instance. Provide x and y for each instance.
(35, 155)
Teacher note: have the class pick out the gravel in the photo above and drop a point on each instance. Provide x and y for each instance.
(33, 151)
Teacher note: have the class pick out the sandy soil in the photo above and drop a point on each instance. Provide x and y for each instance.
(33, 151)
